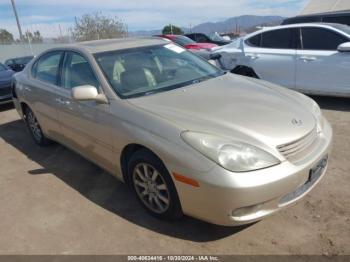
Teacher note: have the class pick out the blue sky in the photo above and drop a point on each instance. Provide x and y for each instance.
(48, 15)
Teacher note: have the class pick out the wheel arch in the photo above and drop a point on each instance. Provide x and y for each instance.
(245, 71)
(127, 152)
(24, 107)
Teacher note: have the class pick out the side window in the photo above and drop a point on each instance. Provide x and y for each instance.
(280, 39)
(254, 41)
(77, 72)
(337, 19)
(47, 67)
(320, 39)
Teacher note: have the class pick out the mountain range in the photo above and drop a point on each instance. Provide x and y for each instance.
(244, 23)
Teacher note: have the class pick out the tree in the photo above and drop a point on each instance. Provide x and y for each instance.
(6, 37)
(97, 26)
(172, 30)
(34, 37)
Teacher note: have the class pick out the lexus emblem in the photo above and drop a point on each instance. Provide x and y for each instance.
(297, 122)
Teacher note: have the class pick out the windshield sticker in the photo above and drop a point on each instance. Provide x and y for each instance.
(175, 48)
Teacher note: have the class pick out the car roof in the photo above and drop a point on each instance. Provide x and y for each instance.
(324, 25)
(20, 57)
(99, 46)
(317, 24)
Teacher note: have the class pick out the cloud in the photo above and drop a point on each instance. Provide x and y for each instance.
(139, 14)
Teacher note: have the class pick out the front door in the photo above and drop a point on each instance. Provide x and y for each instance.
(84, 124)
(321, 69)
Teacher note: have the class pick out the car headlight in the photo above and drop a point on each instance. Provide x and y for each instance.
(232, 155)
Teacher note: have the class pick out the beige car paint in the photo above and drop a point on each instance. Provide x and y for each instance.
(229, 106)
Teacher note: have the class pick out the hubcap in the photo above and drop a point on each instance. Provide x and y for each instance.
(151, 188)
(34, 126)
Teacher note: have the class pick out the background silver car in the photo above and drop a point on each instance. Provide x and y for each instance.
(186, 136)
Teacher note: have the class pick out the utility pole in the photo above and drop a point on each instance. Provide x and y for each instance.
(18, 24)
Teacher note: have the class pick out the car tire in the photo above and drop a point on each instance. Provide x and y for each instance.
(35, 129)
(153, 185)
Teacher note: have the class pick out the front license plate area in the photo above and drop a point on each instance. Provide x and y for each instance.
(317, 171)
(314, 174)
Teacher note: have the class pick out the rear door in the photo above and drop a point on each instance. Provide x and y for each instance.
(85, 124)
(40, 92)
(321, 69)
(272, 55)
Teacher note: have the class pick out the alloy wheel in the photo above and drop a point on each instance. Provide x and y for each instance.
(34, 126)
(151, 188)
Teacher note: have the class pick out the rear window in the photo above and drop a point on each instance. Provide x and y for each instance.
(254, 41)
(183, 40)
(46, 68)
(280, 39)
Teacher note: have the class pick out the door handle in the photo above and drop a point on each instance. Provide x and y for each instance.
(62, 101)
(253, 56)
(308, 58)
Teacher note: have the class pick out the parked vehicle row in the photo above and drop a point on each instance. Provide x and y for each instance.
(7, 70)
(203, 38)
(17, 64)
(201, 49)
(186, 136)
(312, 58)
(5, 84)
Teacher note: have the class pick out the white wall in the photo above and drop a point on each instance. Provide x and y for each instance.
(11, 51)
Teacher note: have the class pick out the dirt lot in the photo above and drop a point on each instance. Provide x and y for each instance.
(52, 201)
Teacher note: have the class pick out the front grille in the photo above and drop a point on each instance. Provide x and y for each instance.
(296, 150)
(5, 91)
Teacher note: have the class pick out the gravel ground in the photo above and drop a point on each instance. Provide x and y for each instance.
(52, 201)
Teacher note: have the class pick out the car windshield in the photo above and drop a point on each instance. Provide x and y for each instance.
(148, 70)
(183, 40)
(344, 28)
(2, 67)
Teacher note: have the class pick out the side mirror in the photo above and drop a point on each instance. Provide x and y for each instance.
(88, 93)
(345, 47)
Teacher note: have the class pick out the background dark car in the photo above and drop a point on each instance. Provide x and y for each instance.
(203, 38)
(332, 17)
(5, 84)
(17, 64)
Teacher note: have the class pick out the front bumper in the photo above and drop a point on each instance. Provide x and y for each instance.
(229, 199)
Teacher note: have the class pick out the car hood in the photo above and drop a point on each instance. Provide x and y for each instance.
(6, 75)
(234, 107)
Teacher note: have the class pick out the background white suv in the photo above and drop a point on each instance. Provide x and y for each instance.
(311, 58)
